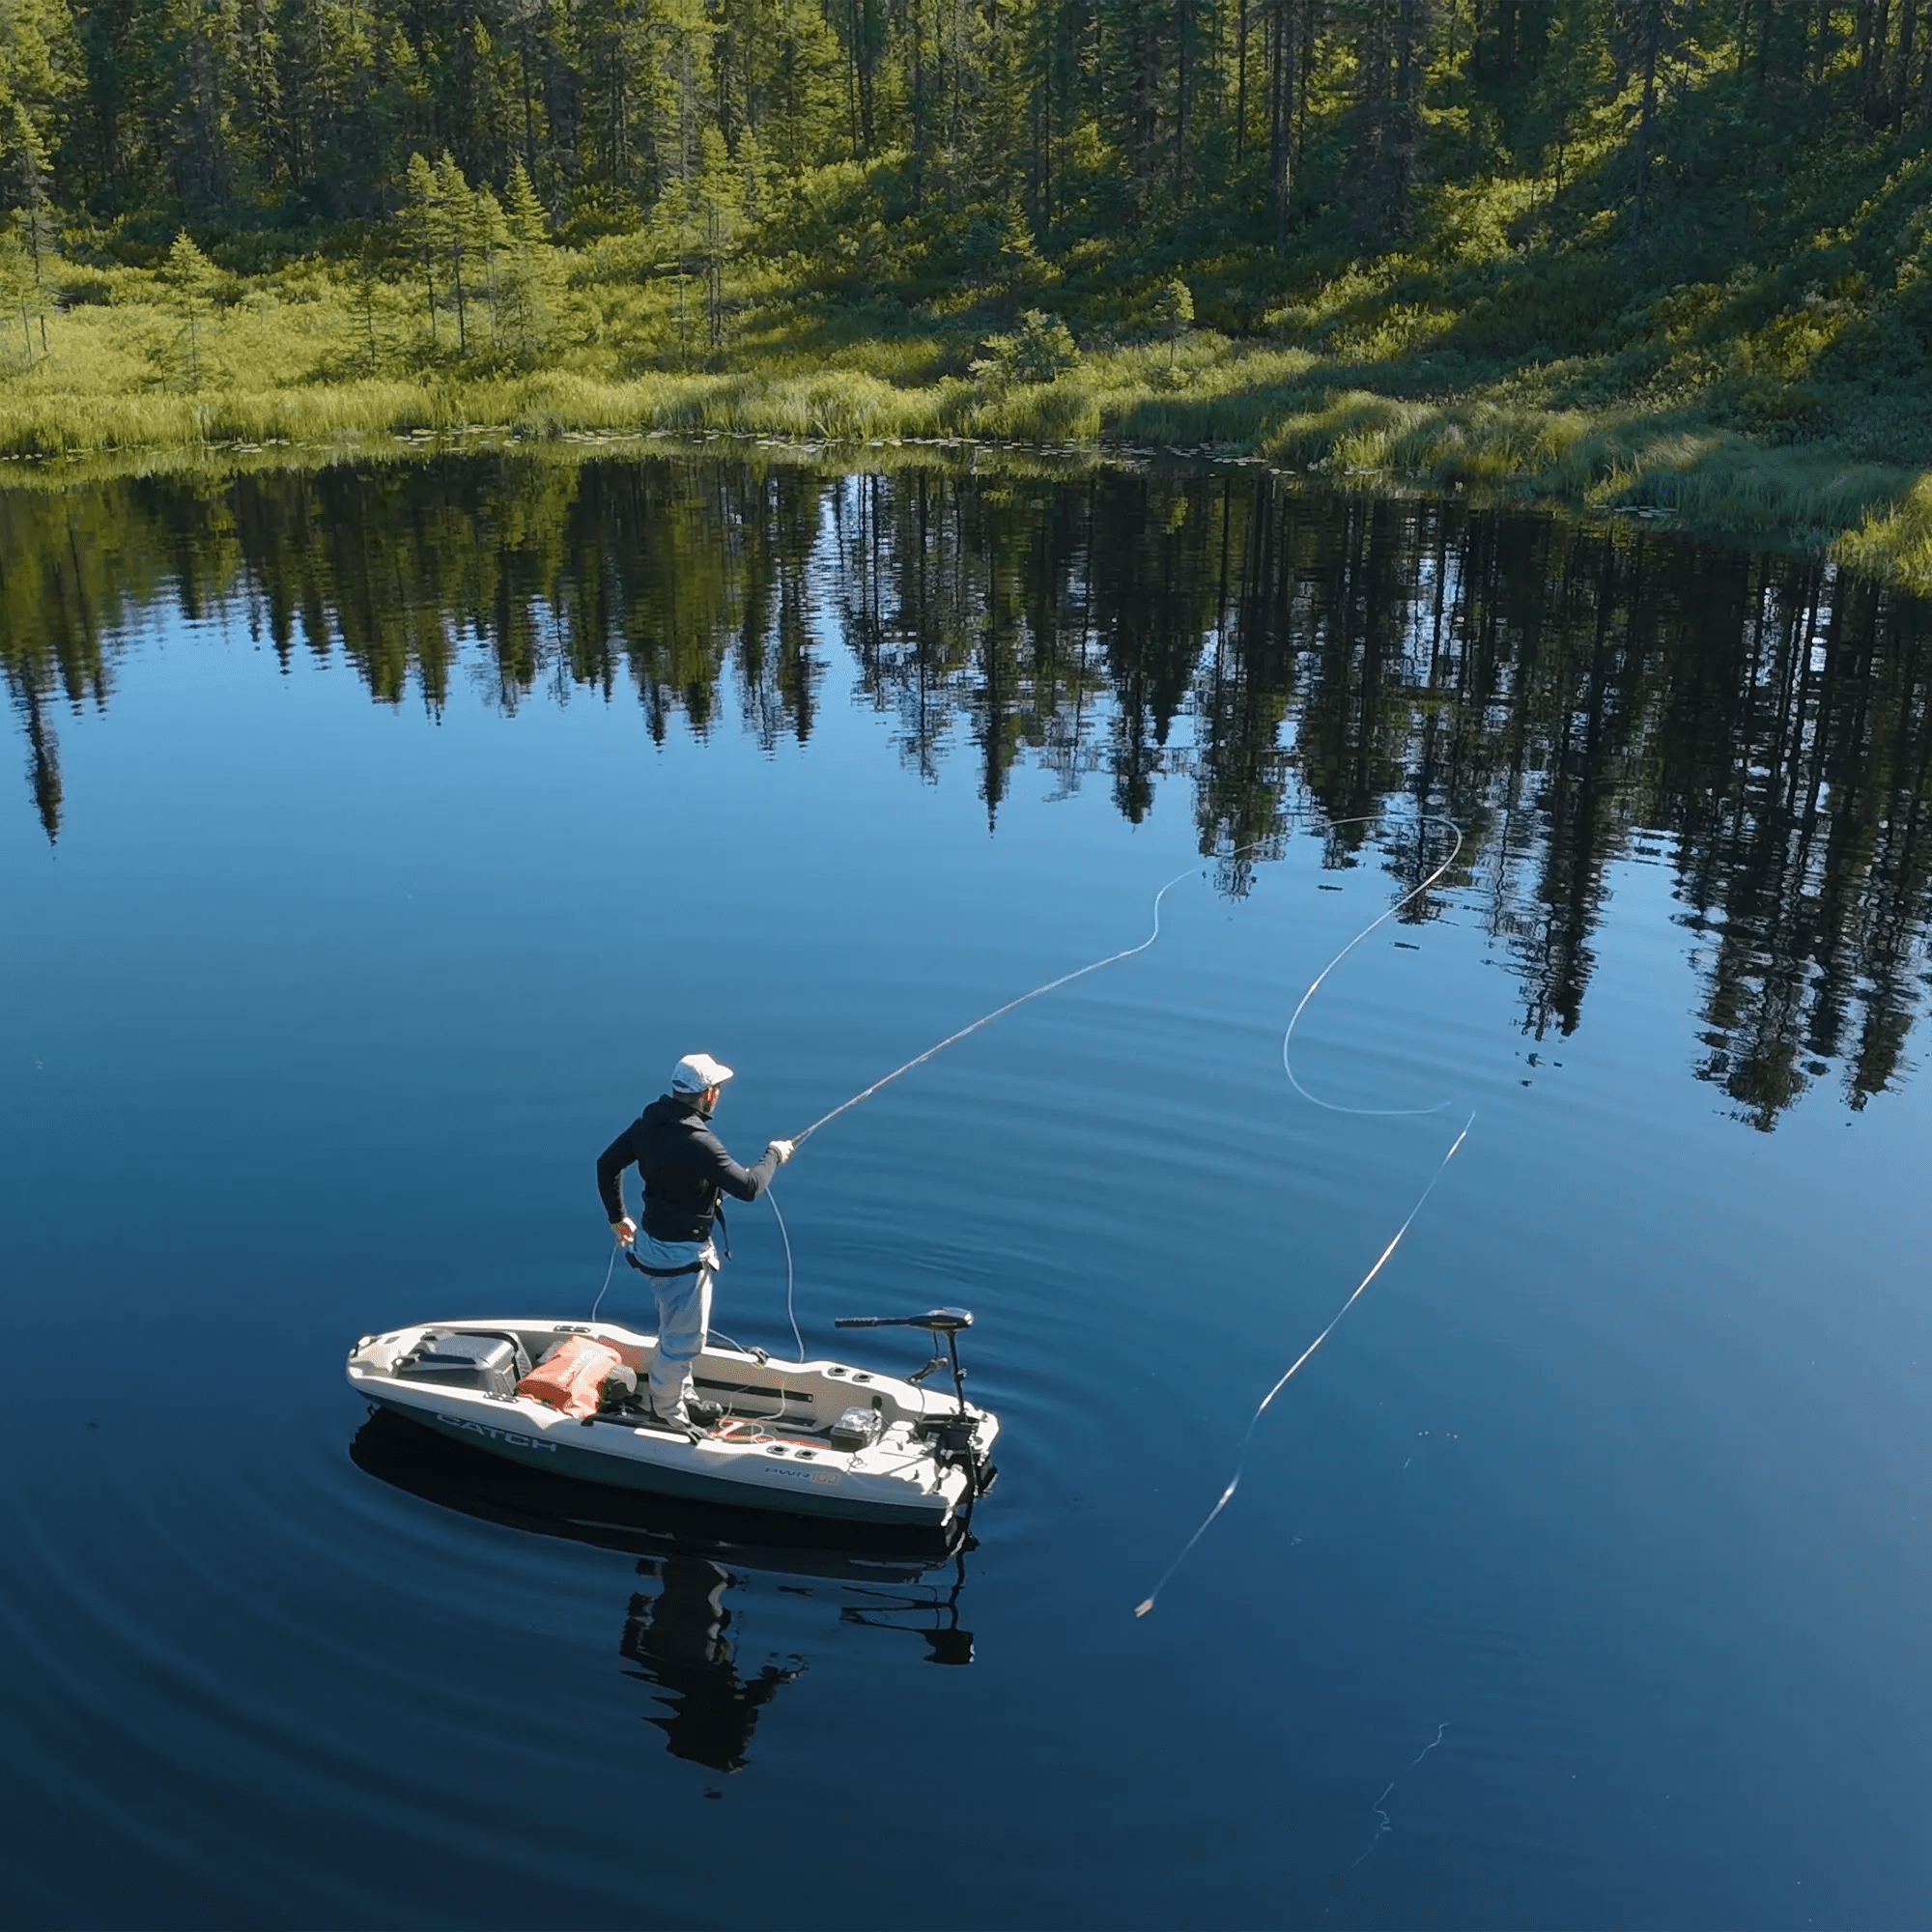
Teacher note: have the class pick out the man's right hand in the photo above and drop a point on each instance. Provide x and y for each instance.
(785, 1150)
(625, 1231)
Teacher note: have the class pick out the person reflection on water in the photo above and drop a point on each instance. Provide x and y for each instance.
(678, 1641)
(685, 1171)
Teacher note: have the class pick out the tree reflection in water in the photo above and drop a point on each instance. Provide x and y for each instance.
(1561, 691)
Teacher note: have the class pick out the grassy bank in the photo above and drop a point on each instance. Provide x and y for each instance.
(1675, 261)
(274, 371)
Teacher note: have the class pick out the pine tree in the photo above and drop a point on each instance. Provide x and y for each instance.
(190, 278)
(525, 277)
(1174, 314)
(39, 76)
(425, 222)
(488, 238)
(459, 229)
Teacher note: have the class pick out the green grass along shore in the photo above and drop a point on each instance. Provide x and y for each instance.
(96, 406)
(1714, 303)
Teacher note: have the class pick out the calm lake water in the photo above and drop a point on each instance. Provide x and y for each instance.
(385, 833)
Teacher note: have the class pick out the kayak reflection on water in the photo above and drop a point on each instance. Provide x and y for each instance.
(680, 1635)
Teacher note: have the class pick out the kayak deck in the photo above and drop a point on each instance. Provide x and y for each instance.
(774, 1448)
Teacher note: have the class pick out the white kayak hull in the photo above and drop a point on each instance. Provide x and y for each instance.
(773, 1451)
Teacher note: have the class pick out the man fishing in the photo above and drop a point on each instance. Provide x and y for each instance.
(684, 1169)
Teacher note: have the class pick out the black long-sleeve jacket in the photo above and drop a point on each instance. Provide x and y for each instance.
(683, 1168)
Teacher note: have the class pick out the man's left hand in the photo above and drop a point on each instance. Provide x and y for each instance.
(625, 1231)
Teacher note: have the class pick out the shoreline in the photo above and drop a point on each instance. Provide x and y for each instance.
(1285, 409)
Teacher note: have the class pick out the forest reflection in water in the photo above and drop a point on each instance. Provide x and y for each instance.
(1570, 696)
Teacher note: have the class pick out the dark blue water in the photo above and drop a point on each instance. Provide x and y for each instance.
(1580, 1579)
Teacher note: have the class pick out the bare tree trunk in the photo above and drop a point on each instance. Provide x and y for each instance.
(714, 277)
(1898, 86)
(1653, 43)
(1049, 60)
(1405, 117)
(1183, 78)
(1240, 82)
(1281, 115)
(918, 109)
(456, 290)
(1310, 19)
(529, 108)
(1874, 18)
(852, 77)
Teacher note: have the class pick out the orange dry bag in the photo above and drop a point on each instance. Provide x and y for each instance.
(571, 1377)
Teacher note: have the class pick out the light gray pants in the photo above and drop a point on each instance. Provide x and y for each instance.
(684, 1313)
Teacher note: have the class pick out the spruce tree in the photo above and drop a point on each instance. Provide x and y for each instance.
(425, 223)
(525, 277)
(190, 277)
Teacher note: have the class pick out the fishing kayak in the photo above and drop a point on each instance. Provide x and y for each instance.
(820, 1438)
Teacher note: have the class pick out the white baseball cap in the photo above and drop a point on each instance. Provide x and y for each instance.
(696, 1071)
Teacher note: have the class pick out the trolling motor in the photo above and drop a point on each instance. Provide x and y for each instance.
(953, 1432)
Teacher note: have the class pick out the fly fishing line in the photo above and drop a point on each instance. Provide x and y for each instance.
(998, 1012)
(606, 1288)
(1315, 984)
(1129, 952)
(1287, 1067)
(1383, 1822)
(1227, 1496)
(784, 1235)
(920, 1060)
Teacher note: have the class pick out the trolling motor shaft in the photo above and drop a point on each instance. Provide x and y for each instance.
(937, 1322)
(941, 1321)
(951, 1433)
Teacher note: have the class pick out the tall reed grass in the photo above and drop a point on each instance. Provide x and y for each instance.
(286, 381)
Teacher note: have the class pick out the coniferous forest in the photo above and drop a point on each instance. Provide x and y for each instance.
(1633, 252)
